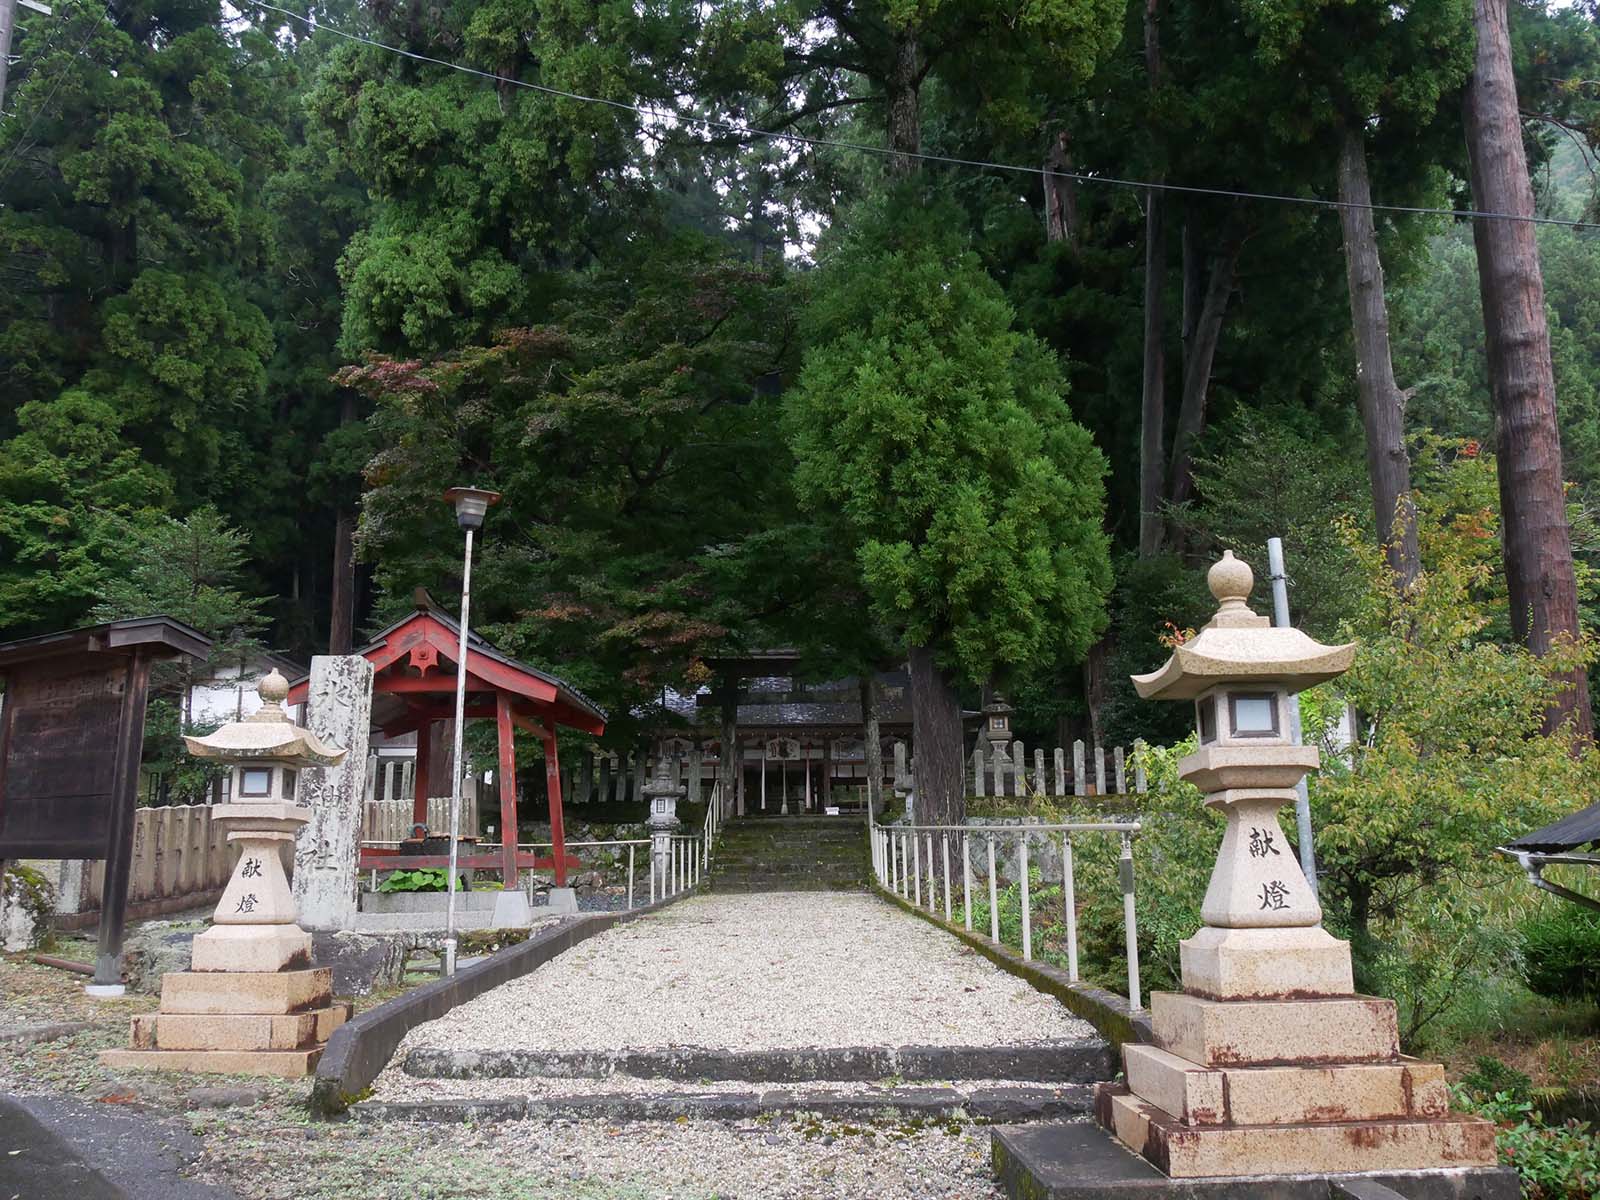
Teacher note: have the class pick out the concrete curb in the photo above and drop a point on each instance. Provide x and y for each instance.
(1106, 1011)
(1085, 1060)
(978, 1104)
(360, 1049)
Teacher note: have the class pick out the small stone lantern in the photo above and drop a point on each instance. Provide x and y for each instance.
(251, 1003)
(997, 722)
(662, 793)
(1267, 1062)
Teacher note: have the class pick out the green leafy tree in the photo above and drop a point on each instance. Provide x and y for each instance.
(935, 437)
(71, 489)
(1452, 761)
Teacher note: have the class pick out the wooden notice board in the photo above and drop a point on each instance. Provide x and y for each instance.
(58, 734)
(71, 732)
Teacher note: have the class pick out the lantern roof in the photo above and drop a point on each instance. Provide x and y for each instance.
(1239, 645)
(268, 733)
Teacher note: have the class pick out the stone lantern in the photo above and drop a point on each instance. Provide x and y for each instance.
(251, 1002)
(662, 793)
(1268, 1062)
(997, 722)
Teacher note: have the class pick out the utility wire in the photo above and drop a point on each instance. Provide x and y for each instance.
(885, 152)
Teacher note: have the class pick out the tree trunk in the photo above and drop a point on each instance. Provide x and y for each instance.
(1152, 409)
(1060, 194)
(1193, 289)
(1382, 403)
(936, 742)
(873, 742)
(1094, 688)
(1202, 352)
(904, 107)
(1536, 540)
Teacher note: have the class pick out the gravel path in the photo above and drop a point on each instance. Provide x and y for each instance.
(759, 972)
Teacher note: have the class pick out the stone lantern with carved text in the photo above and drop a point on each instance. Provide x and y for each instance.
(251, 1002)
(1268, 1062)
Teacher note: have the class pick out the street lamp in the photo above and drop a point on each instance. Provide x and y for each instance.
(471, 505)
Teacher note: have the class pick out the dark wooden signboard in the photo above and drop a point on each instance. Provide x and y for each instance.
(58, 734)
(71, 729)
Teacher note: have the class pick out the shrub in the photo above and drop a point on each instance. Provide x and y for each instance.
(1561, 952)
(1553, 1162)
(430, 879)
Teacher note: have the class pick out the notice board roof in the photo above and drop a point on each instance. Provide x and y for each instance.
(162, 637)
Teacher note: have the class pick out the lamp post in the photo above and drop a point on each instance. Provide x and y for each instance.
(471, 505)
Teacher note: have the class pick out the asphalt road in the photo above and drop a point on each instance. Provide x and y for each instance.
(53, 1148)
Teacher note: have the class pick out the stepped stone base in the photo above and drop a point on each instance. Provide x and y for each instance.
(1241, 1033)
(233, 992)
(1185, 1151)
(1265, 964)
(286, 1064)
(239, 1031)
(1285, 1095)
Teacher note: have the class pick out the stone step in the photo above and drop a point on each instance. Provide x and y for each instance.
(755, 886)
(1022, 1103)
(732, 866)
(1080, 1060)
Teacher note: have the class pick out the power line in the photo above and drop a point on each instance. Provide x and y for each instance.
(800, 139)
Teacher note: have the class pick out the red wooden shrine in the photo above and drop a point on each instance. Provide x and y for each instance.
(414, 685)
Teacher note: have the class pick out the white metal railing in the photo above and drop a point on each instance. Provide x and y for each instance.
(681, 868)
(904, 862)
(712, 826)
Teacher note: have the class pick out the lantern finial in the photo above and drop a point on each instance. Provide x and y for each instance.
(1230, 580)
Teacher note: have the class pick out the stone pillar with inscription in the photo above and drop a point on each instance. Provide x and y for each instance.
(1268, 1062)
(251, 1002)
(339, 711)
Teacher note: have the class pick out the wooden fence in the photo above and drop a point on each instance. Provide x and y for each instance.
(390, 820)
(998, 769)
(181, 859)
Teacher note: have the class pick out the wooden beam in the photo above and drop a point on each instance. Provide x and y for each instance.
(507, 779)
(419, 791)
(558, 833)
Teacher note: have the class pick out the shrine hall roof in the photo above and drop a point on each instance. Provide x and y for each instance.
(776, 702)
(567, 696)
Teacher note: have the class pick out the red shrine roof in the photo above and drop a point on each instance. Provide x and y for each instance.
(414, 661)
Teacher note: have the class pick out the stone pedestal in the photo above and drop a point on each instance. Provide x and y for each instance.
(339, 711)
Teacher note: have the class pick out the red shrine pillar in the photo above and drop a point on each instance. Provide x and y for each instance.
(552, 774)
(419, 789)
(508, 789)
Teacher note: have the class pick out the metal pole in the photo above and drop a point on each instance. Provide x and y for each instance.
(1069, 893)
(994, 906)
(455, 776)
(1027, 916)
(966, 878)
(1302, 798)
(630, 876)
(944, 849)
(1130, 924)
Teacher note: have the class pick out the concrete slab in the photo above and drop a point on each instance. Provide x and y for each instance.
(254, 1031)
(1082, 1162)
